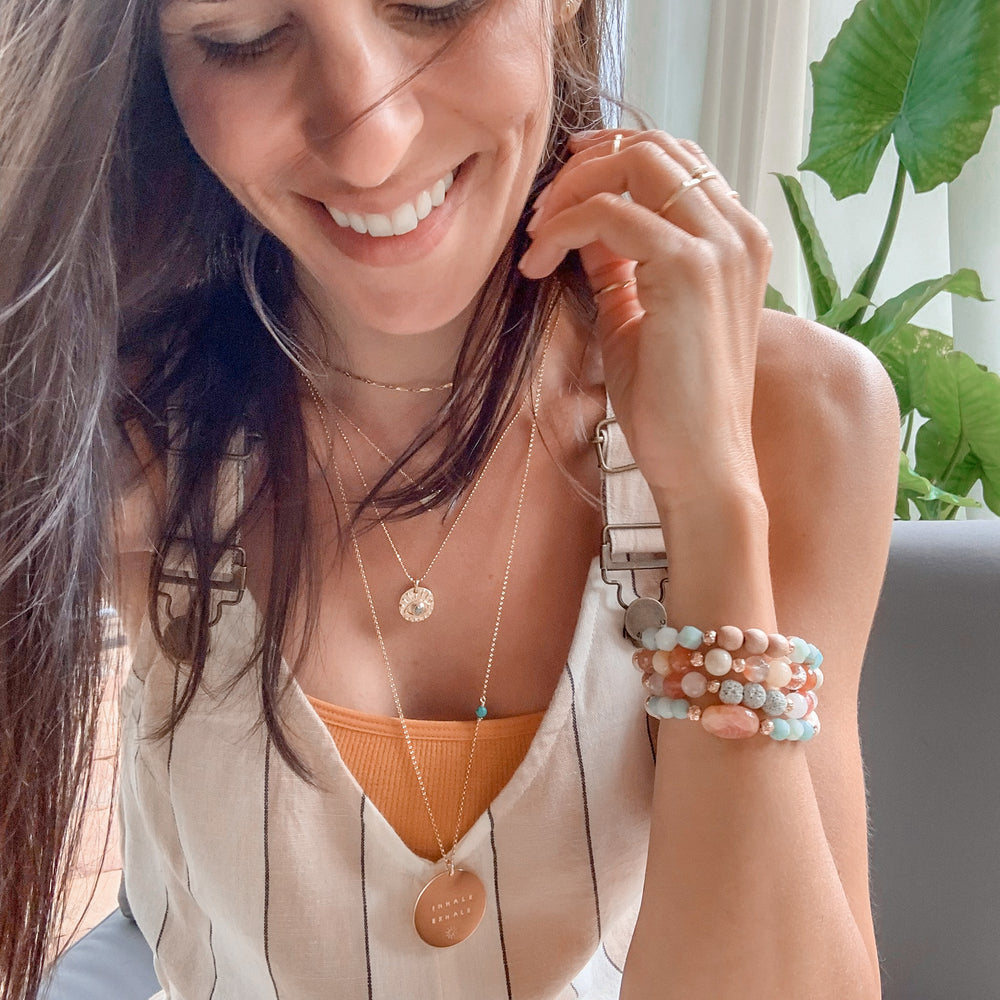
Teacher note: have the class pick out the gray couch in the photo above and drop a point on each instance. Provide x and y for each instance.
(929, 721)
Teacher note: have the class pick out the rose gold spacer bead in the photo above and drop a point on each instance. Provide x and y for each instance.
(710, 637)
(739, 665)
(767, 727)
(714, 686)
(697, 659)
(694, 713)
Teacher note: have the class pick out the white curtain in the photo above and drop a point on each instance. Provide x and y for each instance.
(733, 74)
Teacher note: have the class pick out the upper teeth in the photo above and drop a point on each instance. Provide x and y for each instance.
(403, 219)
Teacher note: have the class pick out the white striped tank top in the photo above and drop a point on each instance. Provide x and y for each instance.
(250, 884)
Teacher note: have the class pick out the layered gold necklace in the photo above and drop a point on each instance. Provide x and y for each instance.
(451, 905)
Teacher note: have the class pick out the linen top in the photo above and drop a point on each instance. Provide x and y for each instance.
(251, 884)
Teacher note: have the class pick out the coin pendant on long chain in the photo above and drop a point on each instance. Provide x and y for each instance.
(449, 908)
(416, 604)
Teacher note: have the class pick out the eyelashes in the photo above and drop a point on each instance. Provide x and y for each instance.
(238, 54)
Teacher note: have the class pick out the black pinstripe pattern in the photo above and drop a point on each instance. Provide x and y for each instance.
(215, 967)
(496, 893)
(267, 863)
(614, 964)
(586, 806)
(364, 897)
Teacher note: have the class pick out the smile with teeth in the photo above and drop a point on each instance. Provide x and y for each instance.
(401, 220)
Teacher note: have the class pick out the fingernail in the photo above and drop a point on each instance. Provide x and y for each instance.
(542, 196)
(533, 221)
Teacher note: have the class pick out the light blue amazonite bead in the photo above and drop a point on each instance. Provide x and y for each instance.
(754, 695)
(800, 649)
(731, 692)
(653, 706)
(794, 729)
(807, 732)
(666, 638)
(648, 638)
(817, 657)
(775, 703)
(680, 707)
(780, 730)
(481, 712)
(690, 637)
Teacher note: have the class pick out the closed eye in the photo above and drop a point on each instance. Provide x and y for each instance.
(241, 53)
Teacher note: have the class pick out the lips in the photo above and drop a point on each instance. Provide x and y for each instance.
(401, 220)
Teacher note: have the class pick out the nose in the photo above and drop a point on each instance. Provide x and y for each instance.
(362, 112)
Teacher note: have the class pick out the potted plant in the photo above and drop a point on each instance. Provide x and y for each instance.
(926, 74)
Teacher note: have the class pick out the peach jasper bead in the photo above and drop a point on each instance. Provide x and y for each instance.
(730, 722)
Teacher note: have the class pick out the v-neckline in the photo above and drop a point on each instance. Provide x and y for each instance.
(327, 760)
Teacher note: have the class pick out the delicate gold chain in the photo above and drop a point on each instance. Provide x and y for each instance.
(389, 385)
(415, 581)
(378, 451)
(446, 856)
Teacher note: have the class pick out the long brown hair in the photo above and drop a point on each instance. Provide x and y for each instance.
(113, 230)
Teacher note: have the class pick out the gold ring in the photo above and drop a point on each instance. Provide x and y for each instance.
(691, 182)
(616, 143)
(703, 170)
(614, 287)
(734, 194)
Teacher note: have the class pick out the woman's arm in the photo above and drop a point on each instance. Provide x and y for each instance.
(757, 879)
(769, 448)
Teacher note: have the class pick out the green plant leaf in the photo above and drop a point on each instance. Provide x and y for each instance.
(844, 310)
(913, 486)
(904, 352)
(901, 309)
(925, 72)
(822, 280)
(773, 299)
(963, 404)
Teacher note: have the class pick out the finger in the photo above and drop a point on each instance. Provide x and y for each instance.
(612, 230)
(653, 177)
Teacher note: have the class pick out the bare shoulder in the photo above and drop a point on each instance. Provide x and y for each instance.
(826, 435)
(825, 415)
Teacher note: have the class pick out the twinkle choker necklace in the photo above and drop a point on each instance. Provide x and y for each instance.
(389, 385)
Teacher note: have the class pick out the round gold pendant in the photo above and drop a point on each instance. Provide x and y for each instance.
(416, 604)
(449, 908)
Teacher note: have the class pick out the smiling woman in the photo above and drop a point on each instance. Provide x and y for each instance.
(377, 294)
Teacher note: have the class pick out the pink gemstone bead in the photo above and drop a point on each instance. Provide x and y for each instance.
(718, 662)
(799, 677)
(661, 662)
(680, 660)
(780, 674)
(777, 645)
(642, 660)
(693, 684)
(756, 669)
(673, 685)
(755, 641)
(653, 683)
(730, 638)
(730, 722)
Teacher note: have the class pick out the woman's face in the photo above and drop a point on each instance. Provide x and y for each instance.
(307, 112)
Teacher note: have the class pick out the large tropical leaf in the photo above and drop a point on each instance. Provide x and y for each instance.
(924, 72)
(903, 307)
(963, 403)
(822, 280)
(904, 352)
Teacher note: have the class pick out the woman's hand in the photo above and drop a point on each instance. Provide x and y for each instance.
(680, 342)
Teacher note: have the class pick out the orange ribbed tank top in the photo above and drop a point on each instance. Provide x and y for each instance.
(374, 751)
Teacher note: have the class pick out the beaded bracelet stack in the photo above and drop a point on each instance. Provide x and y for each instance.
(763, 683)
